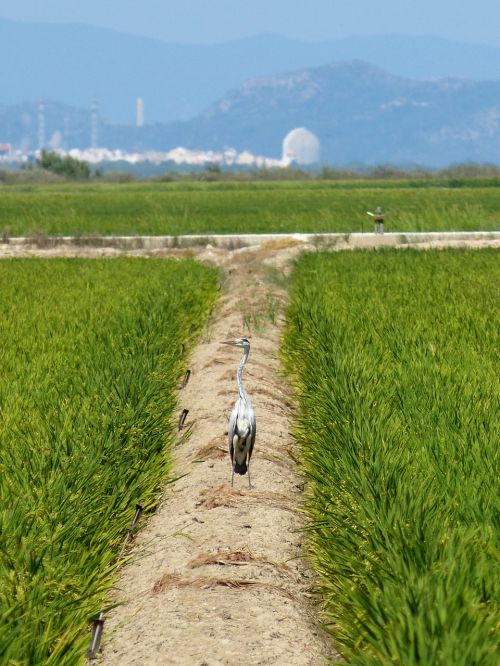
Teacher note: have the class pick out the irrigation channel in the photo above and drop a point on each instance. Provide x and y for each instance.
(216, 576)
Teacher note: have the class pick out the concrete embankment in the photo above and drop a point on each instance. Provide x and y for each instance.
(235, 241)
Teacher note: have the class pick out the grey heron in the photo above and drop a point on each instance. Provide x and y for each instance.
(241, 430)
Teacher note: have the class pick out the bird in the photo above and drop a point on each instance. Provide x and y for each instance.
(242, 426)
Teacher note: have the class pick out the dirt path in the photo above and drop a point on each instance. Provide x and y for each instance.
(216, 575)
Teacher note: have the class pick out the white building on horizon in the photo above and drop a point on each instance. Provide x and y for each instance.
(301, 146)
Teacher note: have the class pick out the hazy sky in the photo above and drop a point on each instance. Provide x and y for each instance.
(470, 21)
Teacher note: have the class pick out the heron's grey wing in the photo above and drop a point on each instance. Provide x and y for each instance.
(231, 430)
(251, 418)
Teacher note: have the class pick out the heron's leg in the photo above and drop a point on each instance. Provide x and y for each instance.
(249, 482)
(232, 478)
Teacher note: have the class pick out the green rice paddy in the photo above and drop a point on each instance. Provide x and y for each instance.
(394, 357)
(91, 359)
(205, 208)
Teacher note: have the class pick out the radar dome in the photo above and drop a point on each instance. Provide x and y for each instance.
(301, 146)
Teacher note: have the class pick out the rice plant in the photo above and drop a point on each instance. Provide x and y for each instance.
(394, 358)
(90, 361)
(206, 208)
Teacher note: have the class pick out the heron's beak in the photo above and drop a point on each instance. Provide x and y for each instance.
(229, 342)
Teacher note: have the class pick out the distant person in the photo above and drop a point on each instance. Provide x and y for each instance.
(378, 218)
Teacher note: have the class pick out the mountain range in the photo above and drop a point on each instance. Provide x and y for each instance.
(74, 64)
(395, 106)
(360, 114)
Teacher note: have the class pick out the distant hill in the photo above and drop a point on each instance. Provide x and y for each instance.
(72, 64)
(360, 113)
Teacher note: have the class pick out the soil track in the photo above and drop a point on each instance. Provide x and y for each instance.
(216, 576)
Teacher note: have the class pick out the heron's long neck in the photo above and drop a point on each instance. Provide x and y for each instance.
(239, 375)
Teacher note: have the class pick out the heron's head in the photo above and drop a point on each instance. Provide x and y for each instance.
(244, 343)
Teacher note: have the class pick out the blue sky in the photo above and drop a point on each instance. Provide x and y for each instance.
(210, 21)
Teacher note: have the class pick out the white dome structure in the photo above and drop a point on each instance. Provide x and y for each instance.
(301, 146)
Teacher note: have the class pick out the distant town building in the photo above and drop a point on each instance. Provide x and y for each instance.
(178, 155)
(5, 149)
(301, 146)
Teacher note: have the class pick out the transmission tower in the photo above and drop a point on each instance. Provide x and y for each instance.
(41, 126)
(94, 124)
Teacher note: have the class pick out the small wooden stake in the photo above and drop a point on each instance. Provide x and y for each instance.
(97, 629)
(138, 512)
(185, 380)
(182, 418)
